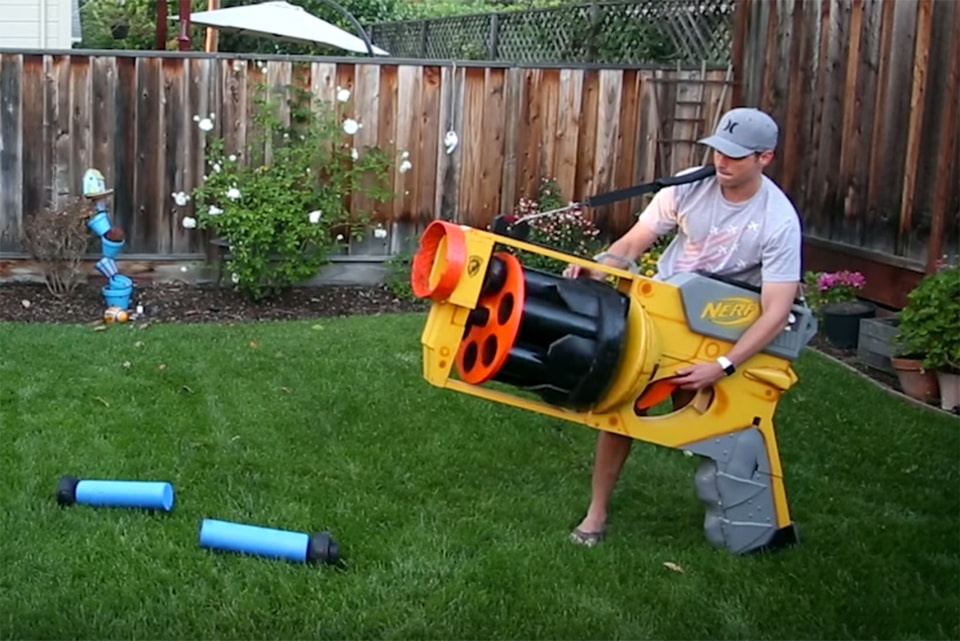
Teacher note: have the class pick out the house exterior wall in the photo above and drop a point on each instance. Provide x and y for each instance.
(37, 24)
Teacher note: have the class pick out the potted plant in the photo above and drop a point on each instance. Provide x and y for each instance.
(929, 332)
(833, 296)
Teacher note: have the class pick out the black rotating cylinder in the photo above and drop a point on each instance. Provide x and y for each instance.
(571, 337)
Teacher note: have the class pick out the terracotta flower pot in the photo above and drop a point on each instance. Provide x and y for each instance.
(915, 381)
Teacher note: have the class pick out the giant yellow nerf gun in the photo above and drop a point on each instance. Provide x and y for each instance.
(602, 354)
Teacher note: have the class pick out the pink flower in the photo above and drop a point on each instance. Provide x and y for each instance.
(843, 278)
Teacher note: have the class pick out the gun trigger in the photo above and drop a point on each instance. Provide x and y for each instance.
(655, 393)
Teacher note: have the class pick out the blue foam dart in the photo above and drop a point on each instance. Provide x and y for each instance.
(151, 495)
(263, 541)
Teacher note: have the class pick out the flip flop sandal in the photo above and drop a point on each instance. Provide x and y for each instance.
(588, 539)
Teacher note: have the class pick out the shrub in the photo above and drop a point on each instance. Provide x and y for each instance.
(929, 325)
(57, 238)
(282, 216)
(568, 231)
(398, 276)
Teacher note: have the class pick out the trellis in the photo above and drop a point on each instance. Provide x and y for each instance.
(686, 32)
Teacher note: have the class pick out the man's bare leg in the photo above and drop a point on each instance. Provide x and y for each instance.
(611, 453)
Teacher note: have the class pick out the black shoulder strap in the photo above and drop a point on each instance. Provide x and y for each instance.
(521, 229)
(651, 187)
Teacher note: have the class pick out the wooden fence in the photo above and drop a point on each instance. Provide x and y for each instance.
(866, 92)
(132, 117)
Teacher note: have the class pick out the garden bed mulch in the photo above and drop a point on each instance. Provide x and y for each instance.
(173, 303)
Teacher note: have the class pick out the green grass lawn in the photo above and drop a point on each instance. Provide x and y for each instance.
(452, 512)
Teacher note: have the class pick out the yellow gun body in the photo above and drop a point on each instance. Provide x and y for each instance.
(602, 354)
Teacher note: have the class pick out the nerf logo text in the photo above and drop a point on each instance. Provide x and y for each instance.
(731, 312)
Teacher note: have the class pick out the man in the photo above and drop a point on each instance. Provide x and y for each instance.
(737, 223)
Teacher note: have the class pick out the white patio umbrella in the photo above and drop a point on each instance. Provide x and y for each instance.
(283, 21)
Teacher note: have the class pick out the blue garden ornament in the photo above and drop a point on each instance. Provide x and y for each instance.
(119, 289)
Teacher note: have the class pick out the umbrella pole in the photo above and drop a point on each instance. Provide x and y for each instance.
(212, 42)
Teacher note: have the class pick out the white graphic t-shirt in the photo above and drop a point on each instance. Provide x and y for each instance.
(754, 241)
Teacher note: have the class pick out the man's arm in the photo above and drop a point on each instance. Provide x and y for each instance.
(776, 300)
(659, 217)
(622, 253)
(780, 277)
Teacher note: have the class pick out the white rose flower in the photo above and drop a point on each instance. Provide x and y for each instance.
(380, 232)
(214, 210)
(343, 95)
(233, 193)
(405, 166)
(350, 126)
(314, 216)
(189, 222)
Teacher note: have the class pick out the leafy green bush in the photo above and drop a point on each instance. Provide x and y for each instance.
(929, 326)
(398, 275)
(282, 213)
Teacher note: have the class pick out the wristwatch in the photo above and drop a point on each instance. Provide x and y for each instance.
(726, 365)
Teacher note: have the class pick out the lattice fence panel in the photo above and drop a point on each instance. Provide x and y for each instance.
(636, 32)
(462, 37)
(543, 36)
(401, 39)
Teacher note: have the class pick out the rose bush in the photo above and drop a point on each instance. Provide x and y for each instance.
(281, 204)
(569, 231)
